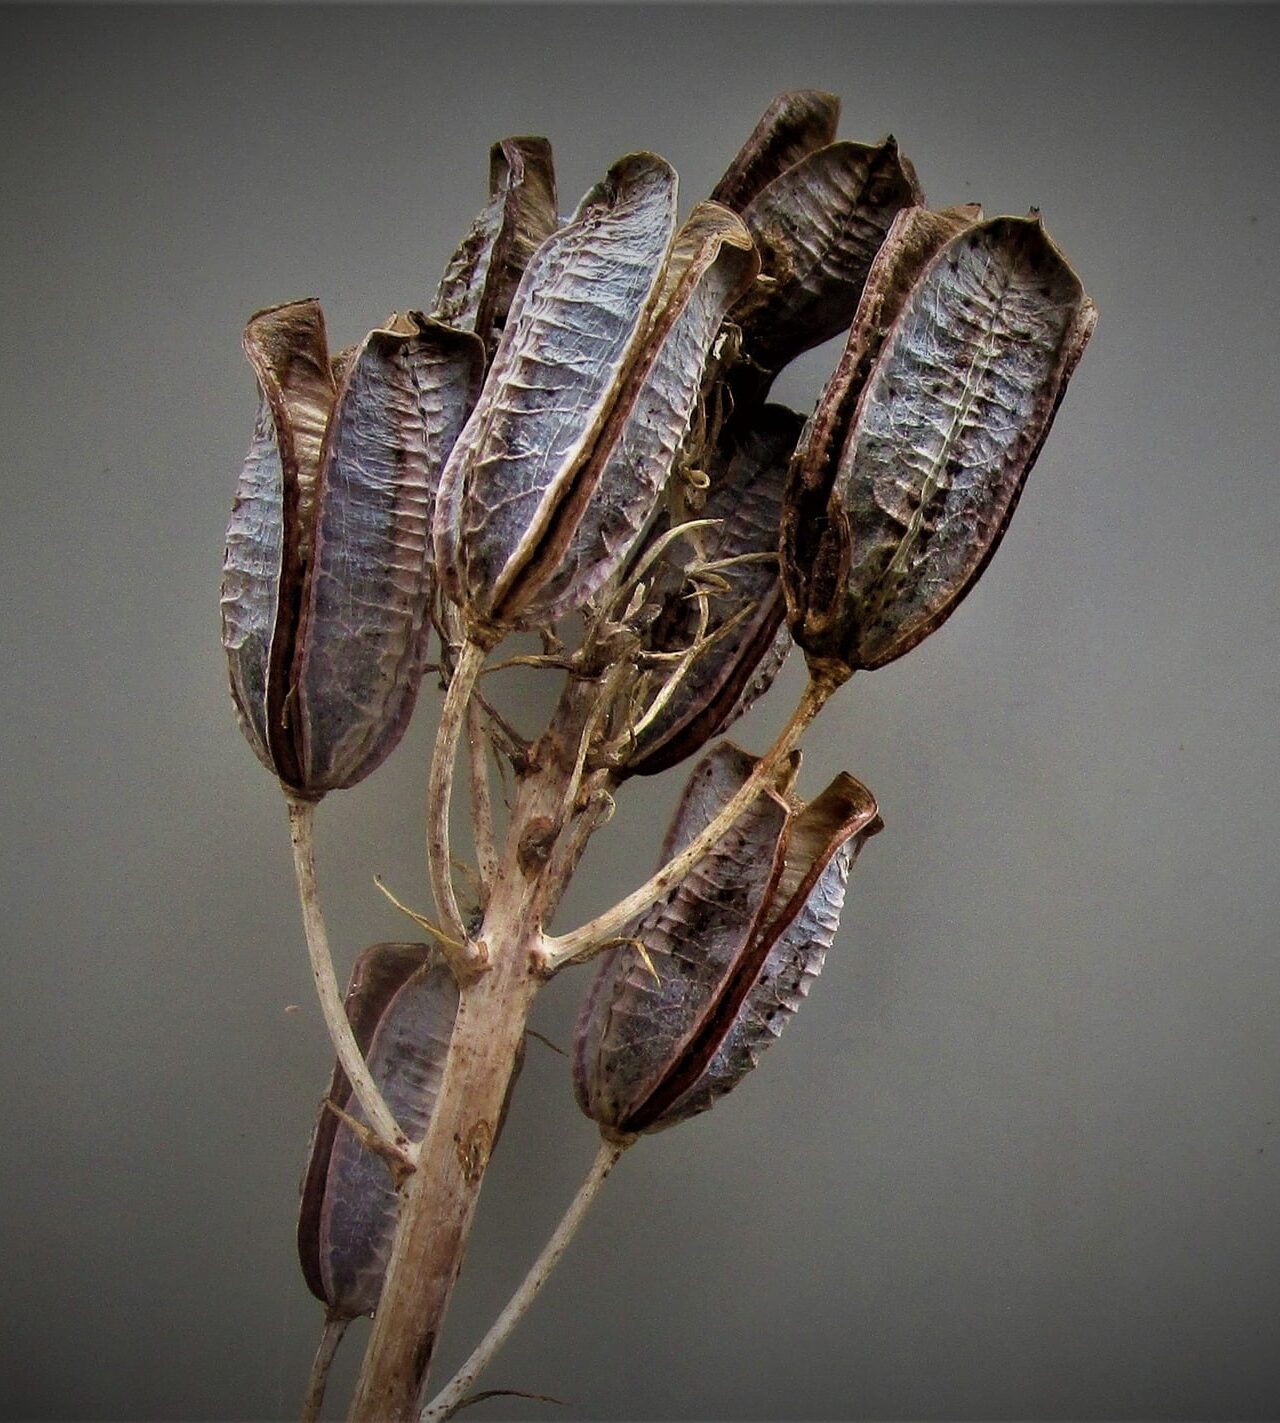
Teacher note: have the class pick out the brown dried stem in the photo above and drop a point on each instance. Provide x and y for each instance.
(466, 962)
(454, 1394)
(481, 802)
(582, 943)
(301, 834)
(335, 1326)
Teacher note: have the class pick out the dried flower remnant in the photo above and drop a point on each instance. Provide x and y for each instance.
(918, 451)
(678, 1016)
(326, 578)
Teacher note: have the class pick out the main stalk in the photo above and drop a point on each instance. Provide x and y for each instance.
(439, 1199)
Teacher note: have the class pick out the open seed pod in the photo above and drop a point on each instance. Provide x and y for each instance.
(480, 280)
(794, 125)
(915, 457)
(817, 227)
(588, 398)
(744, 641)
(401, 1004)
(326, 577)
(733, 946)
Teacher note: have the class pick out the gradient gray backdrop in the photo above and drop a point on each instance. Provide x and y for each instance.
(1019, 1156)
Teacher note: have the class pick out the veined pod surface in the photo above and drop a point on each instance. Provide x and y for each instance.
(712, 263)
(326, 576)
(920, 446)
(578, 319)
(818, 226)
(745, 641)
(402, 1004)
(734, 947)
(480, 280)
(794, 125)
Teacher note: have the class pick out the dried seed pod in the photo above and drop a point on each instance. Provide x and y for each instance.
(402, 1004)
(712, 262)
(480, 280)
(538, 511)
(817, 227)
(794, 125)
(733, 946)
(326, 577)
(919, 448)
(744, 642)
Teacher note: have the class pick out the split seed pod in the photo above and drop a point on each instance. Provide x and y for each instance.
(920, 445)
(402, 1004)
(794, 125)
(326, 577)
(734, 946)
(744, 642)
(480, 280)
(817, 227)
(588, 398)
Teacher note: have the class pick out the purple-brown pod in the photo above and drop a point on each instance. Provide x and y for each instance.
(916, 455)
(794, 125)
(401, 1004)
(326, 577)
(733, 948)
(589, 397)
(480, 280)
(745, 641)
(818, 226)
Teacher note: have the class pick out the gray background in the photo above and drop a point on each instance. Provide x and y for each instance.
(1019, 1156)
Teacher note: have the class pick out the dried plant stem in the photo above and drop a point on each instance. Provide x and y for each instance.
(301, 828)
(440, 792)
(438, 1201)
(335, 1326)
(583, 942)
(481, 801)
(453, 1395)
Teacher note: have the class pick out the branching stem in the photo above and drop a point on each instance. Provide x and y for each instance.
(581, 943)
(454, 1393)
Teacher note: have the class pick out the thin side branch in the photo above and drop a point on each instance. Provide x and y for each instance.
(439, 795)
(301, 827)
(454, 1394)
(581, 942)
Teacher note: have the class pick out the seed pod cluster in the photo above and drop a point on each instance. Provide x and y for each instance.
(612, 323)
(582, 426)
(678, 1016)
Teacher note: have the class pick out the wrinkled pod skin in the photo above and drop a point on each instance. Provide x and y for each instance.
(734, 947)
(402, 1004)
(747, 641)
(613, 320)
(913, 462)
(326, 578)
(481, 277)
